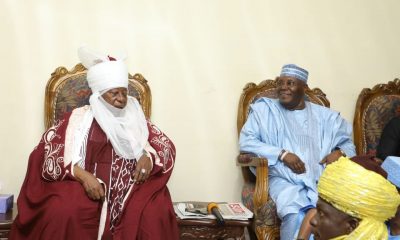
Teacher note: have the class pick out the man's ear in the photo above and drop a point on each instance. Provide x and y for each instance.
(352, 223)
(304, 87)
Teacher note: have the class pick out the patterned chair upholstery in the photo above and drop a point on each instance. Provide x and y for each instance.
(255, 190)
(67, 90)
(374, 108)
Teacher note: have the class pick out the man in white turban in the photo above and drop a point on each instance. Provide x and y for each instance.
(100, 172)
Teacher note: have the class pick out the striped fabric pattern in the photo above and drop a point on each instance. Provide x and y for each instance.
(292, 70)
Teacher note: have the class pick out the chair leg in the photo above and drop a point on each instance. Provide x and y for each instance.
(251, 232)
(260, 198)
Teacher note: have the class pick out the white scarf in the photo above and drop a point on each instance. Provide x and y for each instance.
(126, 128)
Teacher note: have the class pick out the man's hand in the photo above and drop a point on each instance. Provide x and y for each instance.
(294, 163)
(143, 169)
(332, 157)
(92, 186)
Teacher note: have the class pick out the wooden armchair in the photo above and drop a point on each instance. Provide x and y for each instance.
(67, 90)
(255, 190)
(374, 108)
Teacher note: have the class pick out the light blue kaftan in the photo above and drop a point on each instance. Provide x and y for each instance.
(310, 133)
(394, 237)
(397, 237)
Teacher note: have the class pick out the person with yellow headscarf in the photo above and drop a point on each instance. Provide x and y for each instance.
(354, 203)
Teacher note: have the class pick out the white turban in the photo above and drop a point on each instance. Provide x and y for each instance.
(126, 128)
(107, 75)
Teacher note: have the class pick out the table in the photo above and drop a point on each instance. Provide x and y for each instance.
(190, 229)
(6, 220)
(208, 229)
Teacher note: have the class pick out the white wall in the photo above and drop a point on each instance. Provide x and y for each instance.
(197, 55)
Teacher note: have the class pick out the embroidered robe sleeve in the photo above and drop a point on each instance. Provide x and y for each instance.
(53, 167)
(161, 150)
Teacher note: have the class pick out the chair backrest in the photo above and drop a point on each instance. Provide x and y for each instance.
(267, 88)
(67, 90)
(374, 108)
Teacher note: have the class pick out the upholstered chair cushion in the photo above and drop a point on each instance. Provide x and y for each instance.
(269, 214)
(378, 113)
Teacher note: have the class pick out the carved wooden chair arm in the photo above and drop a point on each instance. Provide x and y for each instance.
(260, 196)
(250, 160)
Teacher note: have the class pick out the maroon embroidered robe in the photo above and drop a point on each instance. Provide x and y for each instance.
(53, 205)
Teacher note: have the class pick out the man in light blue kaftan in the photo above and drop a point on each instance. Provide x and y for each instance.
(294, 135)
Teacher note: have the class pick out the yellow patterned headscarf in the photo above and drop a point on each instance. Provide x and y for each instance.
(362, 194)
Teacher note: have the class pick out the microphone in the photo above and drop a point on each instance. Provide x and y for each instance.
(212, 208)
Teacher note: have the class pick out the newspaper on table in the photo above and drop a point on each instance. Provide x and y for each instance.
(198, 210)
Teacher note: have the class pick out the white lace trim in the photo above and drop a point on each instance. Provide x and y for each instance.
(76, 137)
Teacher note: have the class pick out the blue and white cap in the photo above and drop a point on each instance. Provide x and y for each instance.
(392, 166)
(292, 70)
